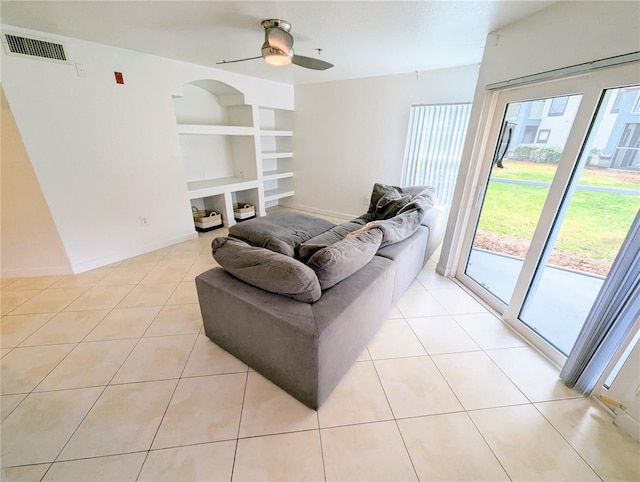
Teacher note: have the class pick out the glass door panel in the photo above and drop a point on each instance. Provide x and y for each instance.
(596, 213)
(530, 146)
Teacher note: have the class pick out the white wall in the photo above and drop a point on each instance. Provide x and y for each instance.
(350, 134)
(30, 241)
(562, 35)
(106, 154)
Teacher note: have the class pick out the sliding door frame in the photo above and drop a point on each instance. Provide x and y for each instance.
(592, 87)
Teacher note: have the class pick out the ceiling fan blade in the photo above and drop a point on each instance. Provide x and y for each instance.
(310, 63)
(239, 60)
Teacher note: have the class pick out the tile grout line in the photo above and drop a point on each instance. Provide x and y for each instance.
(395, 420)
(18, 306)
(235, 452)
(175, 388)
(492, 361)
(324, 468)
(564, 438)
(33, 390)
(437, 368)
(75, 430)
(466, 411)
(42, 291)
(53, 315)
(103, 390)
(487, 444)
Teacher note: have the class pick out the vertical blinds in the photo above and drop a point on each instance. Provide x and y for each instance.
(434, 147)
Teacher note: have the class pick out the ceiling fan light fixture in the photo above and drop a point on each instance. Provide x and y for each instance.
(278, 59)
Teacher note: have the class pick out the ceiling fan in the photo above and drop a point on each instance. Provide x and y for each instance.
(277, 48)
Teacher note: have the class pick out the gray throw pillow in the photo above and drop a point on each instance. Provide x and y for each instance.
(333, 235)
(390, 204)
(340, 260)
(265, 269)
(380, 190)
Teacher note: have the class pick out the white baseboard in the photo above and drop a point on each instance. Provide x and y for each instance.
(314, 210)
(101, 261)
(628, 424)
(81, 267)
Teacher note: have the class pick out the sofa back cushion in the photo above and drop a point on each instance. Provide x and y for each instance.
(382, 194)
(340, 260)
(266, 269)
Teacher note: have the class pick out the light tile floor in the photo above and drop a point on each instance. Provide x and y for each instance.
(107, 375)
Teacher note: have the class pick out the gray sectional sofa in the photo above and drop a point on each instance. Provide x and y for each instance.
(298, 298)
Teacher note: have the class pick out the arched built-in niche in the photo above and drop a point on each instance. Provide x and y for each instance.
(220, 147)
(212, 102)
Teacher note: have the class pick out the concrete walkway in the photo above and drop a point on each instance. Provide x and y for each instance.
(608, 190)
(559, 307)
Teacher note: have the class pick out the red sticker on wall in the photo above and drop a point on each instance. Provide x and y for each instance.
(119, 78)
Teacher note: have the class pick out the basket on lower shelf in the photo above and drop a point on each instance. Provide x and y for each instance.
(206, 220)
(243, 211)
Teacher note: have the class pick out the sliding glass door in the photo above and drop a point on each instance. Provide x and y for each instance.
(524, 163)
(557, 191)
(595, 215)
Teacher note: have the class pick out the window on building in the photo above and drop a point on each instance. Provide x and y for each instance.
(530, 134)
(543, 136)
(537, 107)
(627, 153)
(513, 111)
(616, 103)
(636, 105)
(434, 147)
(558, 105)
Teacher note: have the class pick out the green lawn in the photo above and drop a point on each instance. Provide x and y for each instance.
(595, 224)
(545, 172)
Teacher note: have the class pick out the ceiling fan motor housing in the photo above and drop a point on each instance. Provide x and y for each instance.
(276, 23)
(277, 39)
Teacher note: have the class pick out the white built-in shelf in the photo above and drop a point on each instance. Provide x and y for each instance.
(202, 129)
(273, 175)
(277, 133)
(276, 155)
(275, 194)
(212, 187)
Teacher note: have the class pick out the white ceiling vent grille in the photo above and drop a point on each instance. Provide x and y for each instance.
(34, 47)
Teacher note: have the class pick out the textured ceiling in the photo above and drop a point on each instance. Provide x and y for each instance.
(361, 38)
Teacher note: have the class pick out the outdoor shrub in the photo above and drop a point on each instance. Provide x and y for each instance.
(537, 153)
(522, 152)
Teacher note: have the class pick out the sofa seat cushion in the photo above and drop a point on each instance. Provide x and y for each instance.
(266, 269)
(340, 260)
(280, 232)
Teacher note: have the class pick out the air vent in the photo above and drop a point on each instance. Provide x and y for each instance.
(33, 47)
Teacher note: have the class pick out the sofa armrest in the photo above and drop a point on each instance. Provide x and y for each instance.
(436, 221)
